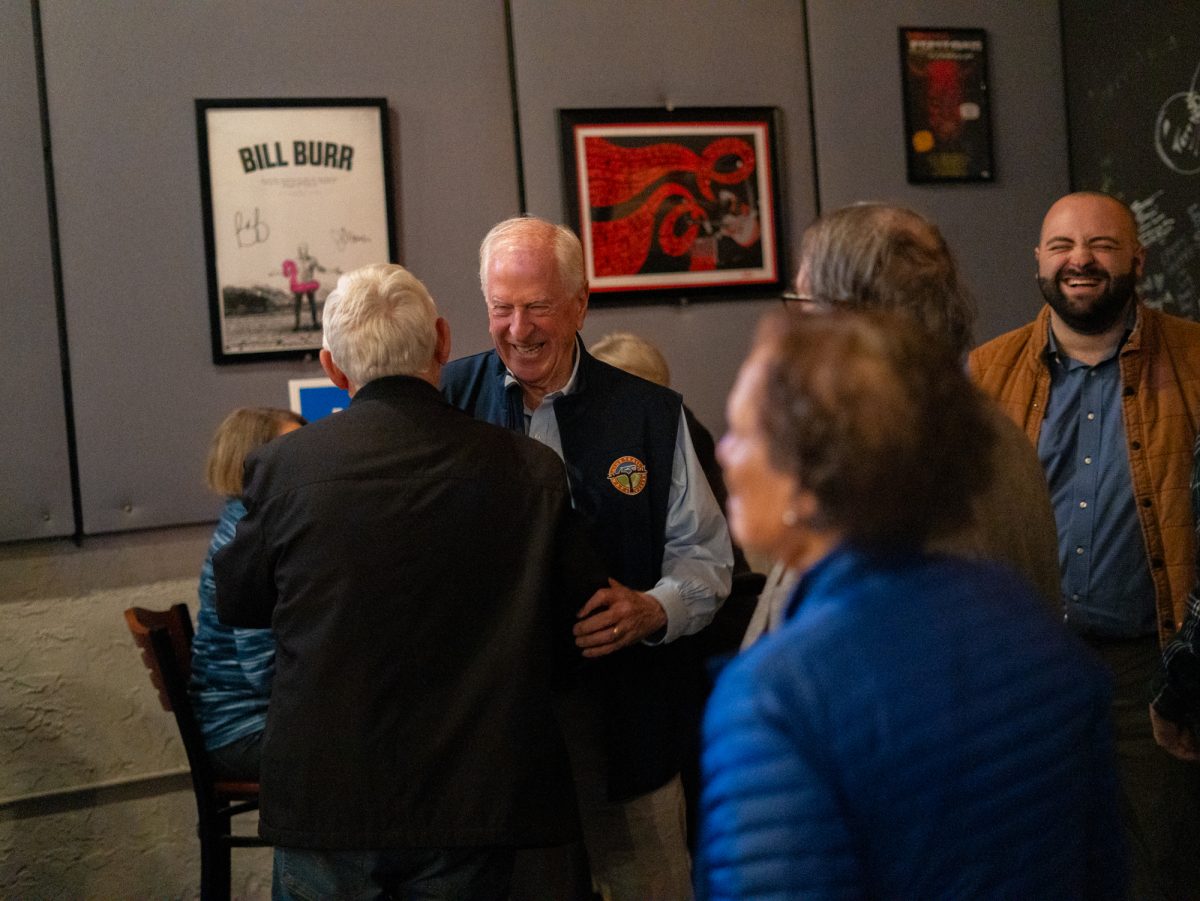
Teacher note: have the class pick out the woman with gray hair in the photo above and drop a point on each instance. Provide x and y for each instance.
(919, 727)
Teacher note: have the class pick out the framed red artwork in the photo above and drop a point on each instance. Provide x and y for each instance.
(675, 203)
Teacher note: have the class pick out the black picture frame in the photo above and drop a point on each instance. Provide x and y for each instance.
(675, 203)
(947, 106)
(294, 193)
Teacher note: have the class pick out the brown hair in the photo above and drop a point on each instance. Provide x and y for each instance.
(874, 256)
(878, 422)
(242, 431)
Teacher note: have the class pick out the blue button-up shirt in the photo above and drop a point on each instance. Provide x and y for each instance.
(1107, 589)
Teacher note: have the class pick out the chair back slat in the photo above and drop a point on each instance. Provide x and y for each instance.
(164, 638)
(140, 622)
(177, 622)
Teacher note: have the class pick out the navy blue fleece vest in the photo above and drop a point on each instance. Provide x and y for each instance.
(611, 426)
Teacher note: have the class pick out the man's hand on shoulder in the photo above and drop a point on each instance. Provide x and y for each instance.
(1179, 741)
(616, 617)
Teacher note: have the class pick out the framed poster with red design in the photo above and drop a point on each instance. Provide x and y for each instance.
(675, 203)
(947, 116)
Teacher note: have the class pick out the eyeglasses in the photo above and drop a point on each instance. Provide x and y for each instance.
(802, 303)
(806, 303)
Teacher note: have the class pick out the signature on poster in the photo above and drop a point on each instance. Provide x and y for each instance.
(250, 230)
(344, 237)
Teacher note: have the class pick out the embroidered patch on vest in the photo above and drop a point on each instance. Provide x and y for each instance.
(628, 475)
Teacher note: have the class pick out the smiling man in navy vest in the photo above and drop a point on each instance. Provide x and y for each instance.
(634, 475)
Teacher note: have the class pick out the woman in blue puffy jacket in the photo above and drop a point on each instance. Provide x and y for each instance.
(920, 726)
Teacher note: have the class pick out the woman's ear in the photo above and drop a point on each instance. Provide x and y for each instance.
(803, 510)
(807, 506)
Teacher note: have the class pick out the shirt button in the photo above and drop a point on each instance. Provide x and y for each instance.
(1091, 416)
(1075, 597)
(1087, 459)
(1083, 505)
(1078, 551)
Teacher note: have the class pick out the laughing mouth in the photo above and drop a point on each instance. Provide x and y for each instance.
(527, 350)
(1086, 279)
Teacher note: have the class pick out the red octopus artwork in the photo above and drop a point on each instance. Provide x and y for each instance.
(663, 198)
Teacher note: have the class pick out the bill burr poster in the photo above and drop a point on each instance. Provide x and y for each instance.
(295, 193)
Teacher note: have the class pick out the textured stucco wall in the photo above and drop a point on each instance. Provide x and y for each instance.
(77, 710)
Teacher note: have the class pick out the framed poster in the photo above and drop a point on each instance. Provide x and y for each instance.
(674, 202)
(295, 192)
(947, 116)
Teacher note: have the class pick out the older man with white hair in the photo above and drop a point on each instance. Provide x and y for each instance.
(420, 570)
(651, 515)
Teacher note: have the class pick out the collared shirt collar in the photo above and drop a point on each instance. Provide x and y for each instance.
(568, 388)
(1131, 320)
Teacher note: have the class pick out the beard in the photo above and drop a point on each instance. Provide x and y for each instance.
(1100, 314)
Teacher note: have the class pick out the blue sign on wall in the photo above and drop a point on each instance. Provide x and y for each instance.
(316, 398)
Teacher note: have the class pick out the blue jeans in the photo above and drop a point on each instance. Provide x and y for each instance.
(412, 874)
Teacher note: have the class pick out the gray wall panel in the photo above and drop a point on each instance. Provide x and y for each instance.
(122, 79)
(860, 134)
(576, 53)
(35, 497)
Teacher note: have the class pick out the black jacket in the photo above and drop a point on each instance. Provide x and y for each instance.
(419, 569)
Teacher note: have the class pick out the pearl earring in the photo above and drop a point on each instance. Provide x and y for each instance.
(791, 519)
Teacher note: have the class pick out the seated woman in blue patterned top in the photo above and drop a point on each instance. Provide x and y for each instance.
(232, 668)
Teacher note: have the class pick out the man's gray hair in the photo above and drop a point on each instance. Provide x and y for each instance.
(380, 321)
(883, 257)
(529, 233)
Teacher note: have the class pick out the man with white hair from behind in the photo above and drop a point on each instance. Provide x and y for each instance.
(421, 571)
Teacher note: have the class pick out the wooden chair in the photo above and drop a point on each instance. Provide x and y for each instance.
(165, 638)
